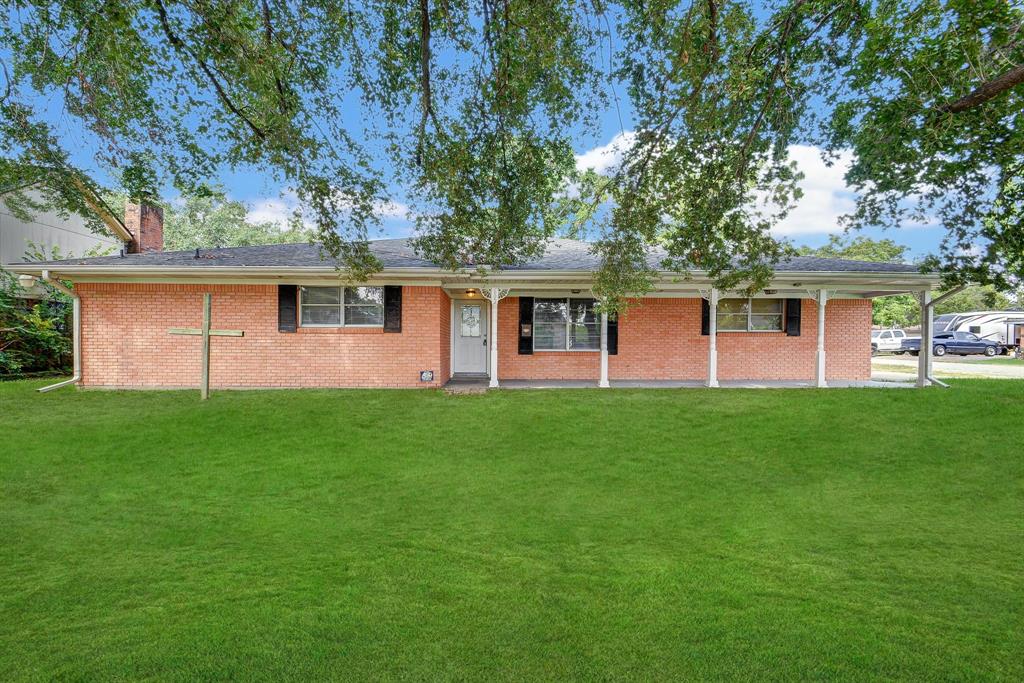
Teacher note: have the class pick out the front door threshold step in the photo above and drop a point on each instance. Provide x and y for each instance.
(467, 383)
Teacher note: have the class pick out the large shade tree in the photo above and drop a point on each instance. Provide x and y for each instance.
(472, 108)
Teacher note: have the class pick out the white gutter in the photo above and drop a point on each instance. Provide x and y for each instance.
(801, 279)
(76, 334)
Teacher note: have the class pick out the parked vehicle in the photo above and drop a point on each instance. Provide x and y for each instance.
(1003, 327)
(958, 343)
(887, 341)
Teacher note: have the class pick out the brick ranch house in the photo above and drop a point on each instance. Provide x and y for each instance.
(415, 325)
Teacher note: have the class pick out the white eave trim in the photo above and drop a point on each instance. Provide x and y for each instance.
(667, 280)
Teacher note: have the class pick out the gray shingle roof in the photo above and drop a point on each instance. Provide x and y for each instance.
(562, 254)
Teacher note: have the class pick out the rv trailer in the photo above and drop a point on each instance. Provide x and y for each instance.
(1005, 327)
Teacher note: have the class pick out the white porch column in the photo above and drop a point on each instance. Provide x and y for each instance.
(603, 383)
(819, 374)
(713, 339)
(494, 337)
(924, 355)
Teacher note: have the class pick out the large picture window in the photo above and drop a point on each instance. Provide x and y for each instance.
(750, 315)
(565, 325)
(341, 306)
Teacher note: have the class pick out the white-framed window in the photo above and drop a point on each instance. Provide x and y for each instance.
(565, 325)
(341, 306)
(750, 315)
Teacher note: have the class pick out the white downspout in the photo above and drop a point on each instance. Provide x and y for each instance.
(924, 352)
(76, 332)
(927, 315)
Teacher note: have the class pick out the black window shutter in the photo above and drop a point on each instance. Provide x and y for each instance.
(705, 317)
(287, 308)
(613, 336)
(525, 325)
(793, 317)
(392, 309)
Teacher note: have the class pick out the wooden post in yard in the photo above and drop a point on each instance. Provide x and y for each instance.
(204, 389)
(206, 333)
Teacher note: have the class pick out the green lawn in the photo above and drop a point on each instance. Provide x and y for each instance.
(660, 534)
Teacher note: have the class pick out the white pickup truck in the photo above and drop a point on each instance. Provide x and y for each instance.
(887, 341)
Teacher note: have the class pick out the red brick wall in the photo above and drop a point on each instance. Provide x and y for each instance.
(146, 224)
(661, 339)
(847, 338)
(125, 342)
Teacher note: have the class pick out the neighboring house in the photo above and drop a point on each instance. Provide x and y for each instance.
(414, 324)
(48, 231)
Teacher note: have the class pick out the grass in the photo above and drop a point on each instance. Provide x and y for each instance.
(937, 371)
(1005, 360)
(358, 535)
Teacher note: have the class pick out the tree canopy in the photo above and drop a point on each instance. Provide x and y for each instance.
(212, 219)
(472, 109)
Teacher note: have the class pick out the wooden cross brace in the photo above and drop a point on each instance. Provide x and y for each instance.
(206, 332)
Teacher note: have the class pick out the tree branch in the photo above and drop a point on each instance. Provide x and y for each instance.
(7, 82)
(713, 29)
(221, 94)
(269, 35)
(986, 91)
(426, 99)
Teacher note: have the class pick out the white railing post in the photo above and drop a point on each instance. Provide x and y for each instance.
(494, 337)
(819, 374)
(603, 383)
(713, 339)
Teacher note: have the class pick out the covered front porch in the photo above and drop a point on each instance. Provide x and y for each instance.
(683, 348)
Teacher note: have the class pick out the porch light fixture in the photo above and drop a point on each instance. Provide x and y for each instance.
(471, 292)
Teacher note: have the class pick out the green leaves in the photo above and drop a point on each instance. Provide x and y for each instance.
(473, 109)
(33, 337)
(171, 92)
(927, 147)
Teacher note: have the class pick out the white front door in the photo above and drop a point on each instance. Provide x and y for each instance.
(469, 337)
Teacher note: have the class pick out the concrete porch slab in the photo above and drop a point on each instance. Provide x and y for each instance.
(693, 384)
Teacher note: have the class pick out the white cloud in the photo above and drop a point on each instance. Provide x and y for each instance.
(390, 209)
(281, 209)
(270, 211)
(606, 157)
(826, 195)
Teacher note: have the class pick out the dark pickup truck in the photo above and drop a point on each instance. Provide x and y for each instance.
(959, 343)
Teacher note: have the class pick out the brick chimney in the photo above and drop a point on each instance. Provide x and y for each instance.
(146, 224)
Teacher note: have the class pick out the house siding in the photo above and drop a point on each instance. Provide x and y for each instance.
(126, 344)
